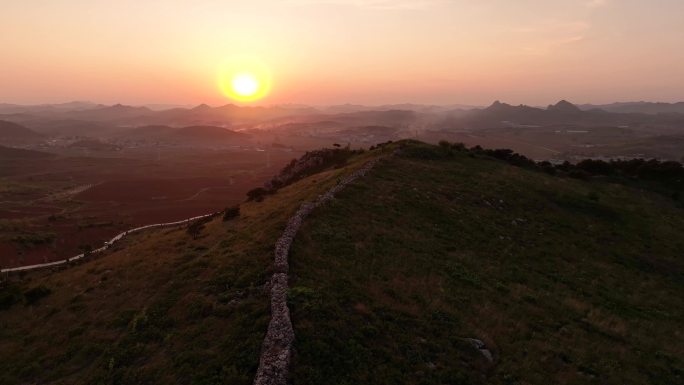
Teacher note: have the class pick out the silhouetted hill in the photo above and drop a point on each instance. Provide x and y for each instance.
(424, 108)
(72, 127)
(639, 107)
(391, 118)
(14, 130)
(13, 133)
(228, 114)
(564, 106)
(115, 113)
(563, 113)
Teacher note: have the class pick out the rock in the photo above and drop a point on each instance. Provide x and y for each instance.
(477, 344)
(487, 354)
(481, 347)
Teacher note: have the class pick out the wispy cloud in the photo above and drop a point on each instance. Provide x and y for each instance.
(596, 3)
(547, 35)
(372, 4)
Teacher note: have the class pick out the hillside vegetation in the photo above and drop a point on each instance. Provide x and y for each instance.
(566, 281)
(171, 306)
(442, 265)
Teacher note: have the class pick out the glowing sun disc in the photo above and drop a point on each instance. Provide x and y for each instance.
(244, 79)
(245, 84)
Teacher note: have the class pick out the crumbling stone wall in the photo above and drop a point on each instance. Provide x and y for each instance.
(276, 349)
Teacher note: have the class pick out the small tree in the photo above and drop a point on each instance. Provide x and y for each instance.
(195, 229)
(231, 212)
(256, 194)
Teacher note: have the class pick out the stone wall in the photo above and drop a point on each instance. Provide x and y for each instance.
(276, 349)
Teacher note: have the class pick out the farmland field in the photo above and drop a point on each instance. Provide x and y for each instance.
(53, 208)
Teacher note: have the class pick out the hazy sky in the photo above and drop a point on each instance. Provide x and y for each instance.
(337, 51)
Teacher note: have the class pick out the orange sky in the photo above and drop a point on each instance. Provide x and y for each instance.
(336, 51)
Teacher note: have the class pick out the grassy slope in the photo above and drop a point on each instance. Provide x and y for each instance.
(163, 309)
(567, 281)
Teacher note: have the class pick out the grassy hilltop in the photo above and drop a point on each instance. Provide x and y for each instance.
(565, 280)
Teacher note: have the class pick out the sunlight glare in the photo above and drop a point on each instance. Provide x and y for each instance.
(244, 79)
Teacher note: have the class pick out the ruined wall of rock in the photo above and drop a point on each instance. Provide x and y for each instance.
(276, 349)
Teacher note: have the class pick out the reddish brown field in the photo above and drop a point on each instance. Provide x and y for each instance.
(51, 210)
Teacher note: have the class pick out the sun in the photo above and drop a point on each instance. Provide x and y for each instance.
(244, 79)
(245, 84)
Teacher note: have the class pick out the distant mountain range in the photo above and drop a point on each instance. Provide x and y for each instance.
(7, 108)
(427, 108)
(638, 107)
(562, 113)
(100, 111)
(94, 120)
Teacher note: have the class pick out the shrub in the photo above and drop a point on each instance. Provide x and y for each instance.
(257, 194)
(9, 295)
(195, 229)
(578, 174)
(427, 152)
(595, 167)
(34, 294)
(547, 167)
(458, 146)
(231, 213)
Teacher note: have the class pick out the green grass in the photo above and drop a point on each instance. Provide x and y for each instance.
(162, 308)
(566, 281)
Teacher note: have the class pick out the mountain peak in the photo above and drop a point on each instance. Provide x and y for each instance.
(202, 107)
(563, 106)
(497, 105)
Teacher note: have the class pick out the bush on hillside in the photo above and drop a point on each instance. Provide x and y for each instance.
(195, 228)
(231, 213)
(595, 167)
(257, 194)
(310, 163)
(9, 295)
(667, 175)
(33, 295)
